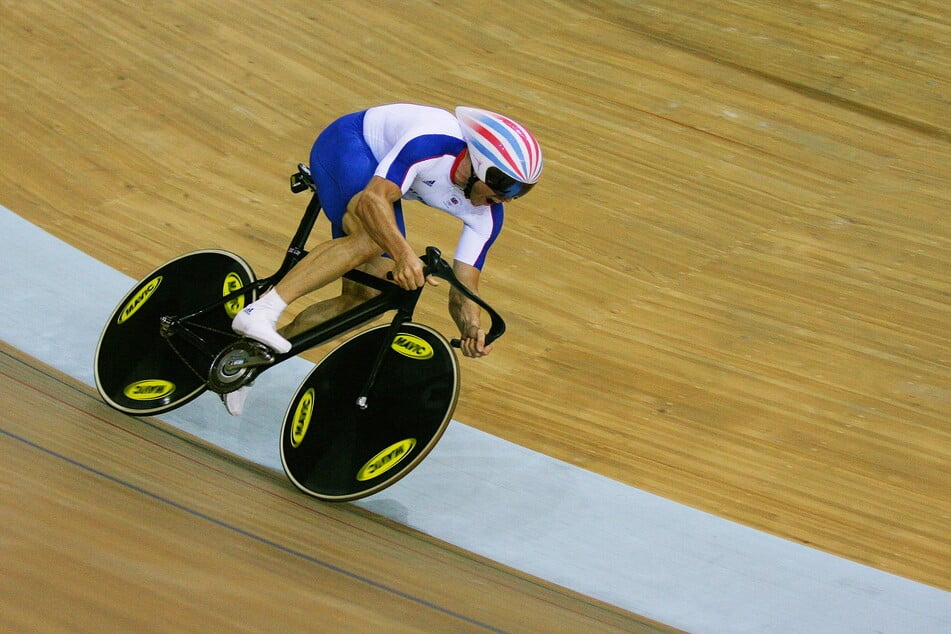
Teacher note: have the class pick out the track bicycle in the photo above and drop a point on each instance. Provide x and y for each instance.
(364, 417)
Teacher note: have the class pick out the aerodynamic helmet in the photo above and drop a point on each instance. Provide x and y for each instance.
(505, 156)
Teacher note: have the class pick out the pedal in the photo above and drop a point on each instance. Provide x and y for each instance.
(237, 365)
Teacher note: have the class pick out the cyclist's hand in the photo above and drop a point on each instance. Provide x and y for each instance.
(408, 273)
(473, 343)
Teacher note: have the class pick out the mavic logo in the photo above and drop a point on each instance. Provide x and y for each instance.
(412, 346)
(301, 420)
(386, 459)
(149, 389)
(139, 299)
(231, 284)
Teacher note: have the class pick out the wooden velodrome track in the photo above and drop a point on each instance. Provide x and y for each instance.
(732, 288)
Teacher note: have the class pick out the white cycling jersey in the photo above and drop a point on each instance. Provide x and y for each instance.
(417, 148)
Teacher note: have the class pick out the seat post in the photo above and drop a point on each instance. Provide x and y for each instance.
(300, 181)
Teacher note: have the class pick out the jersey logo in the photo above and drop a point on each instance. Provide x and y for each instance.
(430, 183)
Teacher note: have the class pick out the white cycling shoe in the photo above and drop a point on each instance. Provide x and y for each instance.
(258, 321)
(234, 401)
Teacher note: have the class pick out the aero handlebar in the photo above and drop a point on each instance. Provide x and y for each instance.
(436, 266)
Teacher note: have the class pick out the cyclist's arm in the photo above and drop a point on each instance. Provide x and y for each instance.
(467, 313)
(374, 210)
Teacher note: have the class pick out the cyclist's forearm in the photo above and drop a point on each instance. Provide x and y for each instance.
(464, 312)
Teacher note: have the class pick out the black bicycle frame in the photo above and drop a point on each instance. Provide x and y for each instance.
(391, 296)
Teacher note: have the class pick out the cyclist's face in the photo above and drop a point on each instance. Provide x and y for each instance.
(482, 194)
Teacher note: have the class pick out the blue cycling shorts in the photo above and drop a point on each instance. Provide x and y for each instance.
(342, 164)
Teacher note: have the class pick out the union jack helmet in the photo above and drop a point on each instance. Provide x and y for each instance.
(505, 156)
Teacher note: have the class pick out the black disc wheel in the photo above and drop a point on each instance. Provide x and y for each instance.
(333, 449)
(139, 370)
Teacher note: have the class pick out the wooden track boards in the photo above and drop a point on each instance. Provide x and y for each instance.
(731, 289)
(110, 521)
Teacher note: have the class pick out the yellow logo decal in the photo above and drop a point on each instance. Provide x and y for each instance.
(412, 346)
(149, 389)
(233, 283)
(301, 420)
(386, 459)
(140, 298)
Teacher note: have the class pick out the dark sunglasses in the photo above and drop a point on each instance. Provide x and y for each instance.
(504, 185)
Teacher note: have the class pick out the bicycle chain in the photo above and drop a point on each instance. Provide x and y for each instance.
(202, 376)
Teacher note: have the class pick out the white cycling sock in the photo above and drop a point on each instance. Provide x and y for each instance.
(271, 301)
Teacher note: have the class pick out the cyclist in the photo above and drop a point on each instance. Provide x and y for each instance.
(364, 164)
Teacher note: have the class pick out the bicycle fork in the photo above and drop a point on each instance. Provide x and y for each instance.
(403, 315)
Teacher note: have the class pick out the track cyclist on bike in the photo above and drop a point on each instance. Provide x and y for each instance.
(363, 165)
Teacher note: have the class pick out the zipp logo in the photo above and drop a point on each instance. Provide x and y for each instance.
(412, 346)
(139, 299)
